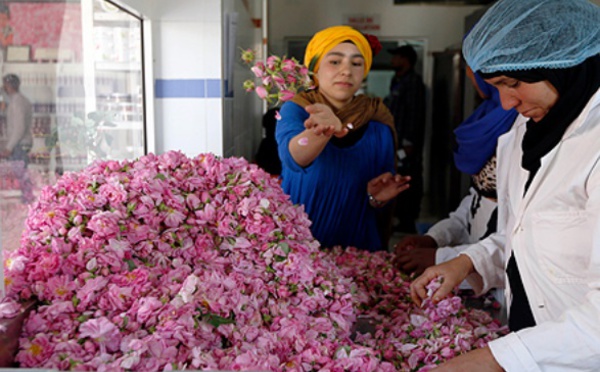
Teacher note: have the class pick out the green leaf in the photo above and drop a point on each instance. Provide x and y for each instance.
(160, 176)
(73, 363)
(285, 248)
(82, 318)
(131, 207)
(94, 186)
(131, 265)
(280, 258)
(216, 320)
(313, 63)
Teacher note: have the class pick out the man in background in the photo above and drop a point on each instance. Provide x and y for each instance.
(19, 116)
(407, 104)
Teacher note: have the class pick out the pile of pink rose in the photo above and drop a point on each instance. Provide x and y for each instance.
(173, 263)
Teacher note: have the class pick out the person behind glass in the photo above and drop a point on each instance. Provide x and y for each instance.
(337, 148)
(267, 156)
(476, 216)
(544, 58)
(406, 102)
(19, 116)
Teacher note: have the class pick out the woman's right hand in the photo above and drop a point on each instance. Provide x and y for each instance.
(414, 254)
(415, 241)
(452, 272)
(323, 121)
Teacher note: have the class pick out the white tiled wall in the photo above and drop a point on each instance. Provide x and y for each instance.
(213, 130)
(184, 125)
(180, 51)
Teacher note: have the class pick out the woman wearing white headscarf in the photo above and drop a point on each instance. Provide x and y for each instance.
(543, 56)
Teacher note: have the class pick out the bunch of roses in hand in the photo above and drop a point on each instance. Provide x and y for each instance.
(277, 79)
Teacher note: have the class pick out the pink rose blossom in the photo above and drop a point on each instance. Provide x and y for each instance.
(278, 79)
(9, 309)
(261, 92)
(101, 330)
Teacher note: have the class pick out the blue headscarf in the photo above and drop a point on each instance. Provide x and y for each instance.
(477, 136)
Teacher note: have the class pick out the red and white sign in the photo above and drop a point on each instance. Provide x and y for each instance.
(368, 23)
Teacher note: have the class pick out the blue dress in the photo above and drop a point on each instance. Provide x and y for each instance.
(333, 188)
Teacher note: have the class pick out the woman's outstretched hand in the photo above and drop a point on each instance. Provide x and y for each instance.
(323, 121)
(452, 272)
(387, 186)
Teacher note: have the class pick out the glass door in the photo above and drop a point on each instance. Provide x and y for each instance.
(72, 93)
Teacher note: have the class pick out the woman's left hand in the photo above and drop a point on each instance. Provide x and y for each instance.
(386, 186)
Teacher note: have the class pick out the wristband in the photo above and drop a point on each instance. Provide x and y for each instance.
(374, 202)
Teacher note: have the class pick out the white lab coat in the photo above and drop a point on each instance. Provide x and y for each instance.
(554, 232)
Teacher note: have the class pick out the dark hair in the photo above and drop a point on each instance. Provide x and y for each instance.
(406, 51)
(12, 80)
(267, 156)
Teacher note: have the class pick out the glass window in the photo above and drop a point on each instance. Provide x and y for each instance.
(72, 93)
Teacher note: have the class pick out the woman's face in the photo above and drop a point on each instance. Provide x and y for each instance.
(341, 73)
(532, 100)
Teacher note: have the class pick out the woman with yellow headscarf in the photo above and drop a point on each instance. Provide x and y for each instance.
(337, 148)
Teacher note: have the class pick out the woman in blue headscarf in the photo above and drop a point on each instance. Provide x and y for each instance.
(544, 58)
(476, 216)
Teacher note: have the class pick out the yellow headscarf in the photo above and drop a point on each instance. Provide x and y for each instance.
(324, 40)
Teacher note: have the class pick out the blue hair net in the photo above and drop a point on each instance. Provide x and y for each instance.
(530, 34)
